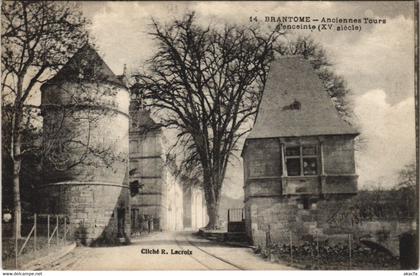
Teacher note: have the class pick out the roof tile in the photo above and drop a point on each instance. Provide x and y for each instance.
(86, 64)
(295, 103)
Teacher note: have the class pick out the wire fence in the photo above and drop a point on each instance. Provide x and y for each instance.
(41, 234)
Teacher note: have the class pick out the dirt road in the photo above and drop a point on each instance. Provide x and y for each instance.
(165, 251)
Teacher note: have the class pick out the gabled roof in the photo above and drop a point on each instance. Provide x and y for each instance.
(86, 64)
(295, 103)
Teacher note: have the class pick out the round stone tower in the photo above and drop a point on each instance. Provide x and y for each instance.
(85, 121)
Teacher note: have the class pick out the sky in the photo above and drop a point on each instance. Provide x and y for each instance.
(376, 62)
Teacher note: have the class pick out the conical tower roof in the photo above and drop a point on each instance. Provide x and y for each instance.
(86, 64)
(295, 103)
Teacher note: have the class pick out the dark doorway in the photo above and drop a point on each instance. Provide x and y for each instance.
(135, 221)
(121, 222)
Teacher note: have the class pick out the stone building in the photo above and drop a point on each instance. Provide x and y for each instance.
(195, 212)
(169, 199)
(85, 121)
(161, 194)
(299, 164)
(100, 143)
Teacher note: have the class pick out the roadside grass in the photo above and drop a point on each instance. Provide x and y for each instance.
(28, 254)
(331, 257)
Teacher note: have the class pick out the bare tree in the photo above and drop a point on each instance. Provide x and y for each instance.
(207, 84)
(37, 38)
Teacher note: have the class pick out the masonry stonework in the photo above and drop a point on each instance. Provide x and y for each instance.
(99, 143)
(160, 196)
(299, 166)
(85, 111)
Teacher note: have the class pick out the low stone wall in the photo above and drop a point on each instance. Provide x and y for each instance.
(279, 220)
(283, 218)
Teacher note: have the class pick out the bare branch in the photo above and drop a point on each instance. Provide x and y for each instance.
(206, 83)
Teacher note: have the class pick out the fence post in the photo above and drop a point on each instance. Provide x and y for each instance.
(16, 246)
(70, 231)
(268, 236)
(48, 230)
(350, 241)
(65, 229)
(35, 233)
(56, 225)
(228, 220)
(317, 249)
(291, 247)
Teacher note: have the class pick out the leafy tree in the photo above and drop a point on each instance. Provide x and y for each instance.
(37, 38)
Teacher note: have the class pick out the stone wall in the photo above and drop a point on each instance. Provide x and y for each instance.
(195, 212)
(161, 194)
(84, 140)
(93, 210)
(173, 203)
(262, 158)
(282, 217)
(279, 207)
(339, 155)
(85, 177)
(199, 210)
(146, 161)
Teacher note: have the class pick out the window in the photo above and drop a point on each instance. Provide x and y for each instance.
(302, 160)
(293, 161)
(309, 160)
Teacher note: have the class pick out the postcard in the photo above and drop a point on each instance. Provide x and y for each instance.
(273, 135)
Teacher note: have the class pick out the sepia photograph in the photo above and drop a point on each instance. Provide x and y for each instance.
(209, 135)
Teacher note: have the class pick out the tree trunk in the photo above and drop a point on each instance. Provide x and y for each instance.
(212, 201)
(16, 185)
(17, 162)
(213, 213)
